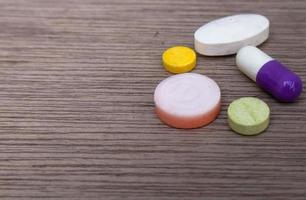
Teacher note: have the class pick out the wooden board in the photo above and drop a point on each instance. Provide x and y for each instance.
(76, 94)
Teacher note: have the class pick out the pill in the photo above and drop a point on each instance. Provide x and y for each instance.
(248, 116)
(269, 74)
(179, 59)
(187, 100)
(225, 36)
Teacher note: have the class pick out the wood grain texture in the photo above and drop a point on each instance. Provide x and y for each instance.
(76, 94)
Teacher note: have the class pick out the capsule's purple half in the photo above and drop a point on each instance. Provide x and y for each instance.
(279, 81)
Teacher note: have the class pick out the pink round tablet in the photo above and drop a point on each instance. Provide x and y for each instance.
(187, 100)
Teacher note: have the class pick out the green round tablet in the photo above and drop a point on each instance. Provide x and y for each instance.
(248, 116)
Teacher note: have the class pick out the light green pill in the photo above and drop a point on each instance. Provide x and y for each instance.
(248, 116)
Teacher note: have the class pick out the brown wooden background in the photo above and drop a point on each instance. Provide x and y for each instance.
(76, 104)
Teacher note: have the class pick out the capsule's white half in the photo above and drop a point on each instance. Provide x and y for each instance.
(250, 59)
(227, 35)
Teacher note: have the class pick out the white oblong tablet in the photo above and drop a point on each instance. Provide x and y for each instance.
(227, 35)
(187, 100)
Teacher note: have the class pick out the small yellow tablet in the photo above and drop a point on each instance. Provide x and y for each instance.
(179, 59)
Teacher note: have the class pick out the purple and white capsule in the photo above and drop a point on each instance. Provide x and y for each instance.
(269, 74)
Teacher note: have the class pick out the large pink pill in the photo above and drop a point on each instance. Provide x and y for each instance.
(187, 100)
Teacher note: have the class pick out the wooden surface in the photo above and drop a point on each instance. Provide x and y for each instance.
(76, 104)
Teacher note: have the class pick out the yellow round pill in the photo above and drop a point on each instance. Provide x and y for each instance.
(179, 59)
